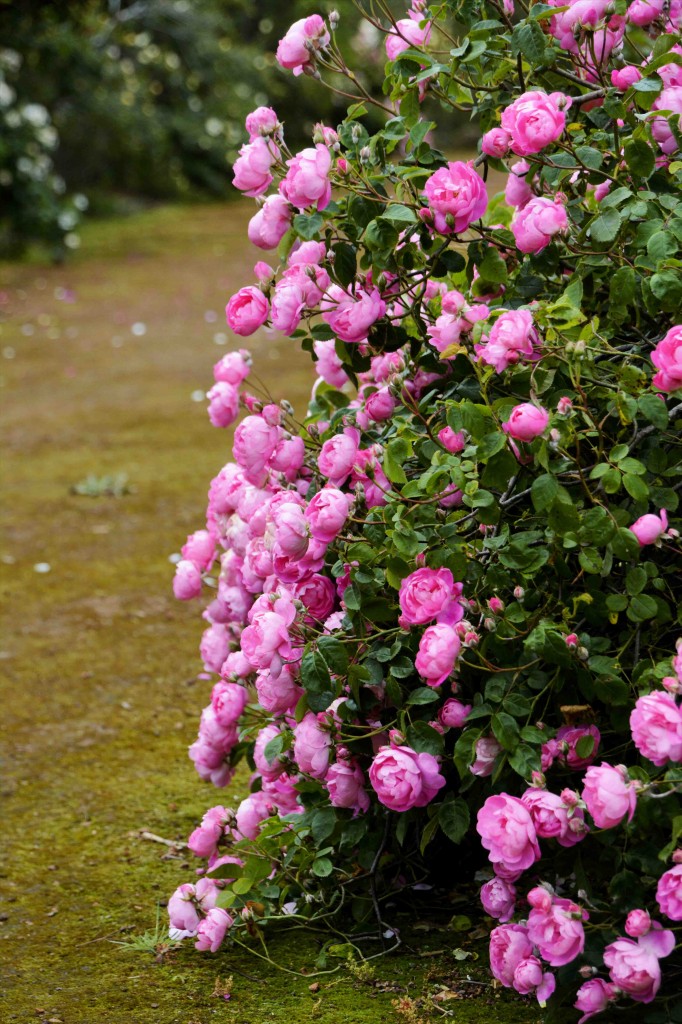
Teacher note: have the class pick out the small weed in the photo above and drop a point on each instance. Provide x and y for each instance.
(155, 942)
(102, 486)
(360, 970)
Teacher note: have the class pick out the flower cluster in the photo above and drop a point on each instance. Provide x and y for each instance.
(451, 594)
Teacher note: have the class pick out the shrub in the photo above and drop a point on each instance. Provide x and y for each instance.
(445, 610)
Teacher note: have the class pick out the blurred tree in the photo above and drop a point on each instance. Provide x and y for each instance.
(148, 97)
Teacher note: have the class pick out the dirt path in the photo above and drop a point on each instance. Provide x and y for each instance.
(99, 362)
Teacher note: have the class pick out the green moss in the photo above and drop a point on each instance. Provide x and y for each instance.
(99, 691)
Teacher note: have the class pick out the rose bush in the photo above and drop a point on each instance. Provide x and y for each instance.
(482, 502)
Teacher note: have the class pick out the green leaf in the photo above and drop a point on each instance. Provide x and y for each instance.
(314, 672)
(490, 445)
(242, 885)
(398, 214)
(392, 460)
(506, 730)
(322, 867)
(344, 263)
(530, 41)
(428, 833)
(525, 760)
(653, 408)
(274, 748)
(423, 738)
(307, 225)
(635, 487)
(641, 608)
(323, 824)
(423, 695)
(623, 288)
(334, 653)
(624, 544)
(666, 286)
(543, 491)
(453, 818)
(492, 267)
(606, 226)
(640, 158)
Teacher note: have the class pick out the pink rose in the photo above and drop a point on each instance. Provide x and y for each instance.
(669, 893)
(638, 922)
(247, 310)
(551, 817)
(643, 12)
(214, 647)
(565, 746)
(667, 356)
(656, 724)
(380, 405)
(650, 528)
(252, 811)
(312, 746)
(438, 651)
(307, 180)
(269, 769)
(507, 832)
(453, 714)
(530, 977)
(200, 549)
(254, 443)
(454, 442)
(345, 783)
(190, 903)
(261, 121)
(558, 932)
(593, 997)
(536, 223)
(403, 779)
(623, 78)
(428, 594)
(495, 143)
(228, 701)
(459, 192)
(517, 191)
(318, 594)
(509, 945)
(211, 931)
(234, 367)
(291, 530)
(634, 966)
(534, 120)
(328, 365)
(407, 33)
(297, 48)
(204, 841)
(511, 337)
(499, 899)
(223, 404)
(526, 422)
(351, 314)
(187, 580)
(288, 303)
(670, 100)
(278, 695)
(327, 513)
(486, 750)
(252, 167)
(609, 795)
(338, 454)
(268, 227)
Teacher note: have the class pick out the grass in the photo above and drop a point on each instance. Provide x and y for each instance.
(100, 359)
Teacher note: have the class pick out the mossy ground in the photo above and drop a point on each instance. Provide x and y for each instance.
(99, 691)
